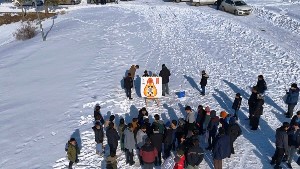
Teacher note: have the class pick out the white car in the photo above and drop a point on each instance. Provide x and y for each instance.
(203, 2)
(237, 7)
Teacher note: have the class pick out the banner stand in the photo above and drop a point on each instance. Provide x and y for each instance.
(153, 99)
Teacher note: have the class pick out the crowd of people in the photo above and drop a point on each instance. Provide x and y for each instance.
(154, 142)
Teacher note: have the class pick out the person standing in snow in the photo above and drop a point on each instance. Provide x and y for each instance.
(252, 101)
(97, 114)
(195, 155)
(157, 140)
(281, 145)
(200, 119)
(233, 131)
(148, 154)
(165, 74)
(132, 70)
(258, 111)
(140, 139)
(296, 118)
(179, 159)
(112, 138)
(129, 144)
(212, 129)
(158, 123)
(203, 82)
(72, 152)
(261, 84)
(294, 142)
(142, 113)
(128, 84)
(236, 105)
(99, 135)
(292, 99)
(207, 118)
(221, 149)
(169, 136)
(190, 120)
(180, 131)
(121, 128)
(145, 74)
(224, 119)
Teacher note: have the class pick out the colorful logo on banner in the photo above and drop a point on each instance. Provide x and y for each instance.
(151, 87)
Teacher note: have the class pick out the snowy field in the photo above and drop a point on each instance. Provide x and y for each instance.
(48, 89)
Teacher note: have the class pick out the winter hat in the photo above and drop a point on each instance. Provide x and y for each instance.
(163, 65)
(97, 123)
(294, 85)
(285, 124)
(200, 107)
(111, 117)
(213, 113)
(223, 114)
(238, 94)
(72, 139)
(203, 71)
(145, 71)
(143, 109)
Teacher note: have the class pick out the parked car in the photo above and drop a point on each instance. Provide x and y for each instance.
(29, 3)
(69, 2)
(237, 7)
(203, 2)
(107, 1)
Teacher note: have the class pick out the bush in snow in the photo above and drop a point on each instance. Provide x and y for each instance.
(27, 31)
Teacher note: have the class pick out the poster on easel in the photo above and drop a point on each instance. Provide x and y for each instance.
(151, 87)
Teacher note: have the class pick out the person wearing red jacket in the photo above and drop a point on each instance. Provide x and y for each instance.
(148, 153)
(179, 160)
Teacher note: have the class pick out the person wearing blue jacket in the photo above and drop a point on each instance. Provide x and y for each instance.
(221, 149)
(293, 142)
(292, 99)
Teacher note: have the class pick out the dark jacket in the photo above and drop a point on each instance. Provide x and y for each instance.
(149, 130)
(160, 125)
(251, 102)
(157, 140)
(98, 134)
(128, 82)
(295, 119)
(292, 96)
(195, 156)
(281, 139)
(261, 86)
(179, 132)
(141, 117)
(204, 78)
(233, 131)
(213, 124)
(200, 117)
(294, 137)
(259, 107)
(112, 137)
(148, 153)
(168, 136)
(221, 147)
(98, 116)
(165, 74)
(237, 103)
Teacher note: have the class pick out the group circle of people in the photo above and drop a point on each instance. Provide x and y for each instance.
(155, 141)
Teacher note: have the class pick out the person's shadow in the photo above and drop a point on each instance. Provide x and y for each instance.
(171, 112)
(192, 82)
(76, 135)
(137, 86)
(122, 80)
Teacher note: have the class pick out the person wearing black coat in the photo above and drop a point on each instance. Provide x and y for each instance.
(201, 114)
(218, 4)
(281, 144)
(180, 131)
(236, 105)
(195, 155)
(203, 82)
(221, 149)
(157, 140)
(168, 140)
(112, 138)
(233, 131)
(252, 101)
(293, 141)
(165, 75)
(97, 114)
(261, 84)
(296, 118)
(128, 84)
(99, 135)
(258, 111)
(143, 112)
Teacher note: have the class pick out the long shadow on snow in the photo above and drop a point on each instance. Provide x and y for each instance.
(237, 89)
(134, 112)
(182, 109)
(171, 112)
(192, 82)
(76, 135)
(122, 80)
(223, 100)
(137, 86)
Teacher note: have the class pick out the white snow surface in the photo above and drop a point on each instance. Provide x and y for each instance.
(49, 89)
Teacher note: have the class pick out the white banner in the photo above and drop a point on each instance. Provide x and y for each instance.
(151, 87)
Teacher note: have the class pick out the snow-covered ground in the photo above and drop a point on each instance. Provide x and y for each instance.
(49, 89)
